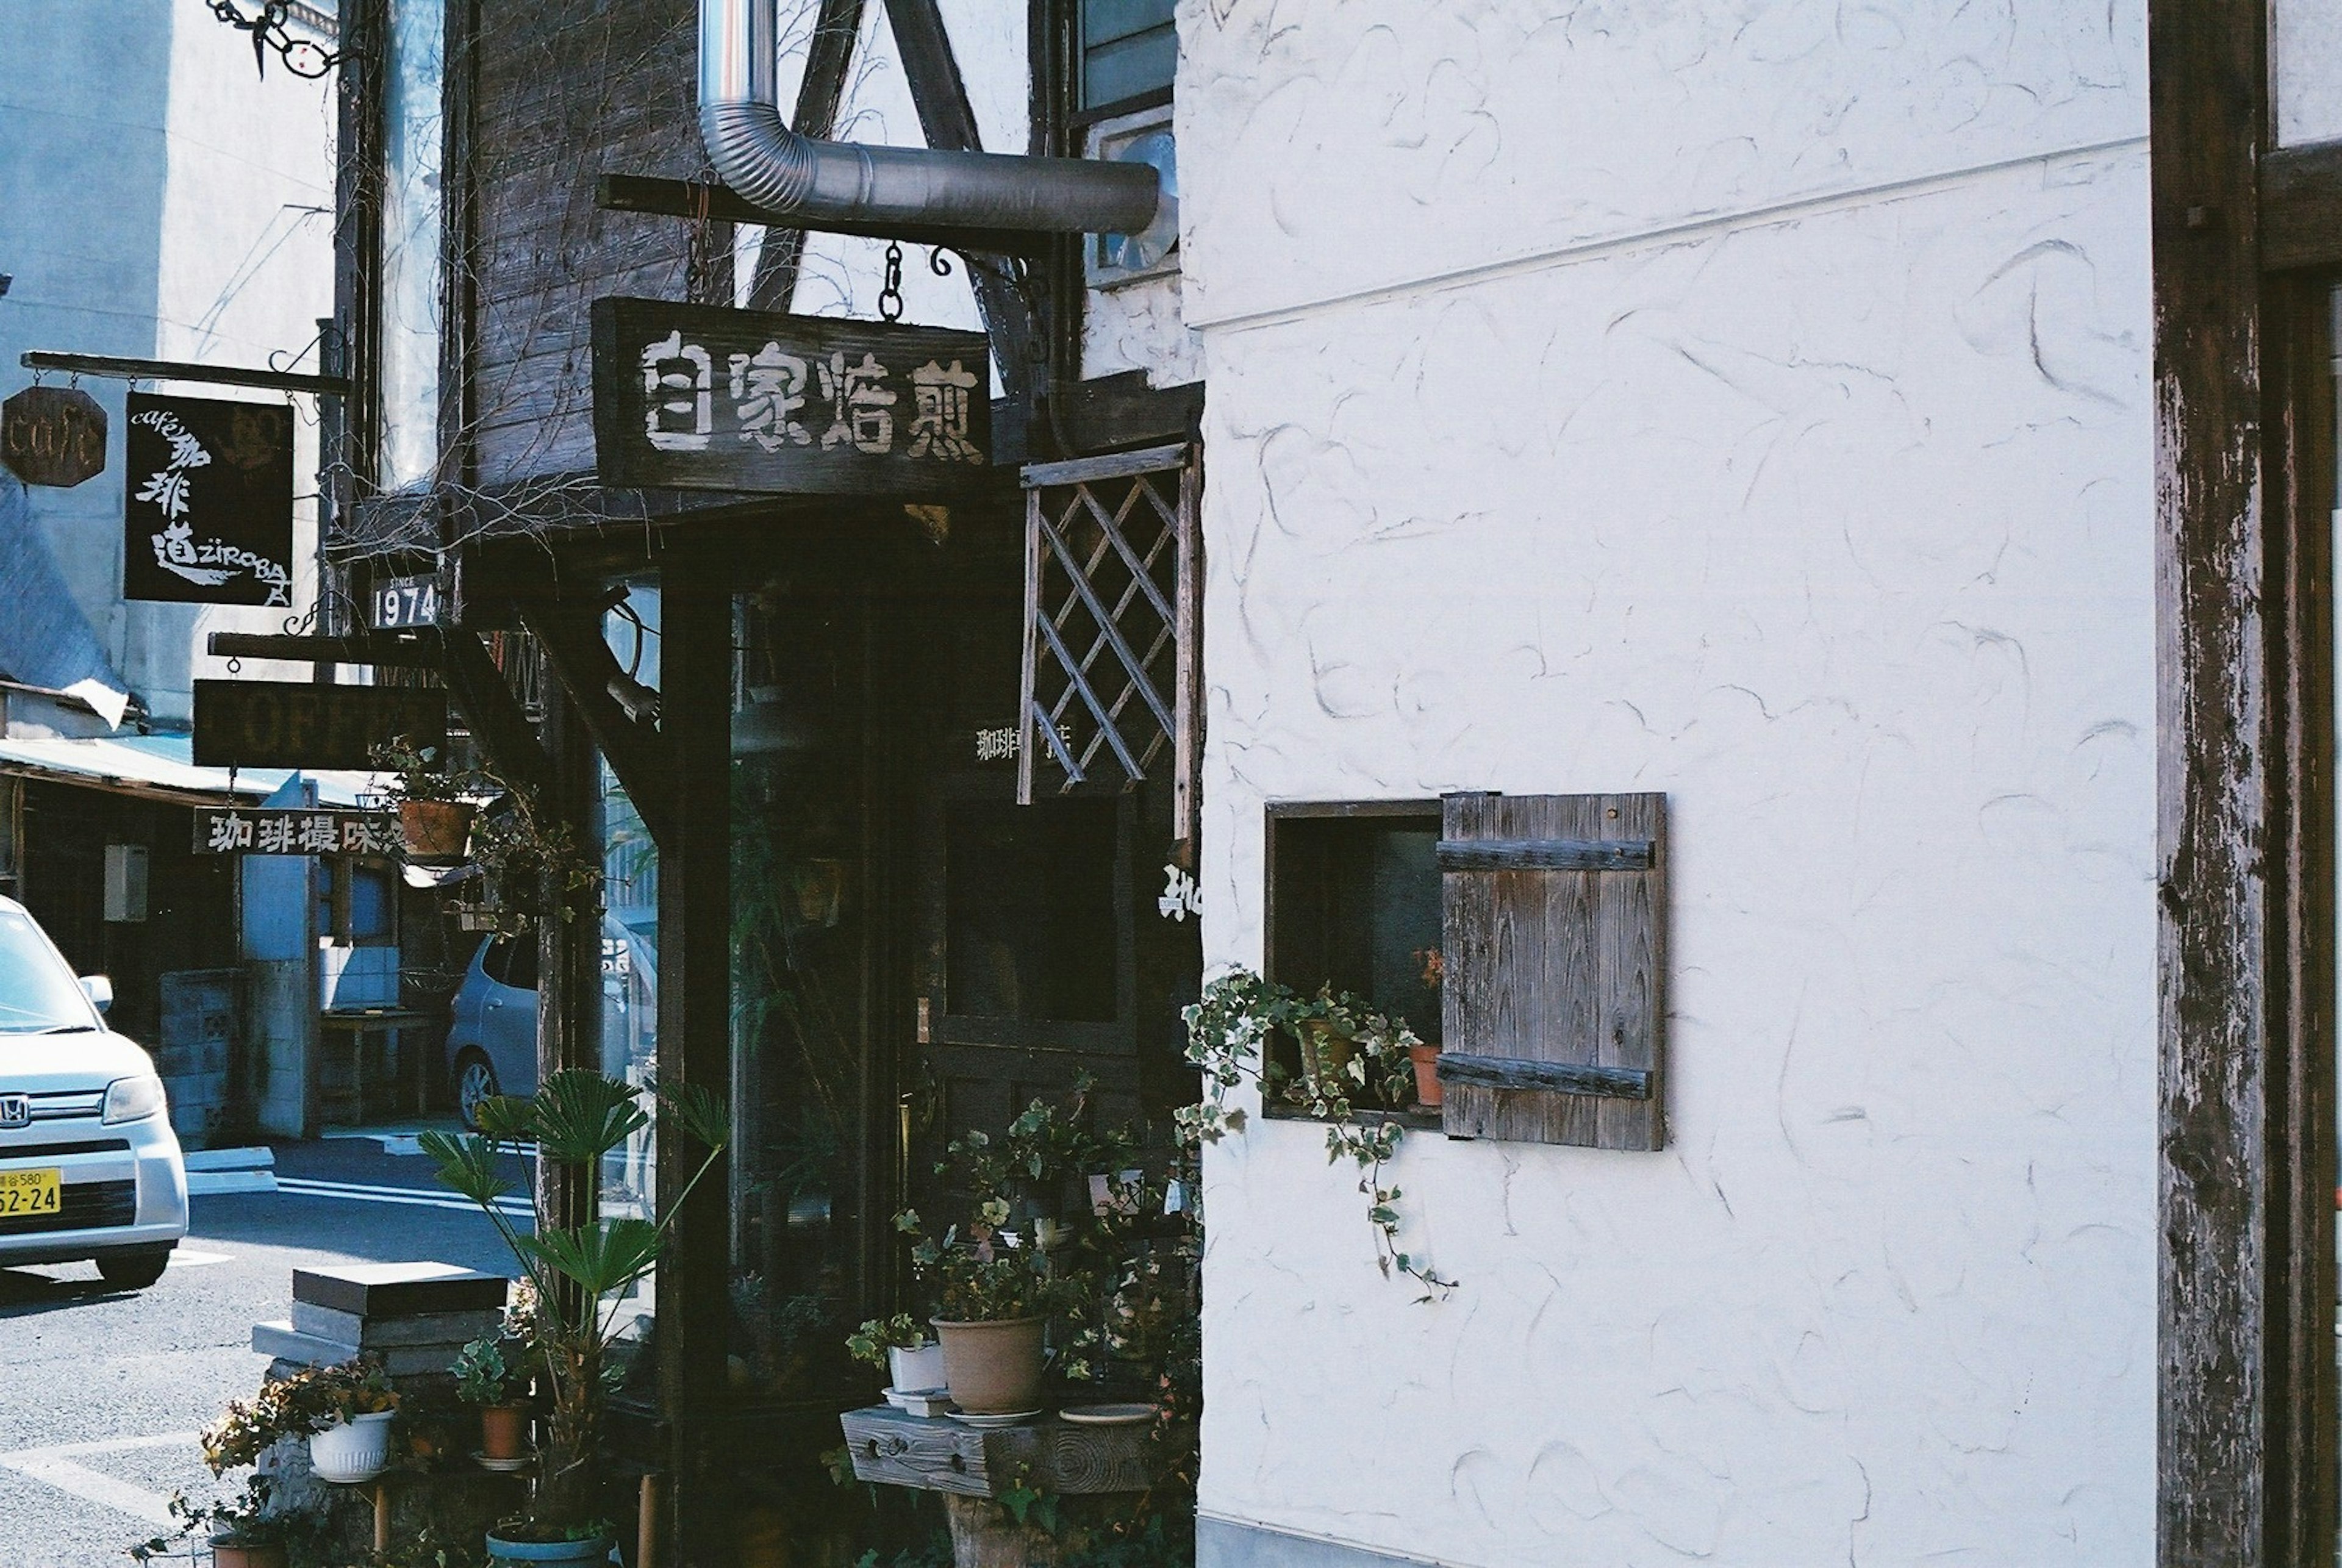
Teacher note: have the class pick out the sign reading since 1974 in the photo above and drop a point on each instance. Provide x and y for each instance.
(696, 397)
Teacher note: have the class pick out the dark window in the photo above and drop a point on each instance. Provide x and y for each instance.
(1129, 49)
(520, 966)
(1355, 903)
(1029, 913)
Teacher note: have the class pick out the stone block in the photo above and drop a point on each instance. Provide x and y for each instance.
(451, 1329)
(399, 1290)
(285, 1342)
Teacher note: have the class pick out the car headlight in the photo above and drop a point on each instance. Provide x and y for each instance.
(131, 1099)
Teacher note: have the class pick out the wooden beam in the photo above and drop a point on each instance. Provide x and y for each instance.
(694, 901)
(2301, 207)
(116, 368)
(2220, 1498)
(379, 648)
(571, 636)
(945, 116)
(699, 200)
(477, 689)
(829, 54)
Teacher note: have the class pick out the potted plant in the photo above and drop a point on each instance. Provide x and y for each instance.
(434, 820)
(1424, 1056)
(241, 1533)
(493, 1372)
(994, 1297)
(902, 1346)
(579, 1274)
(343, 1411)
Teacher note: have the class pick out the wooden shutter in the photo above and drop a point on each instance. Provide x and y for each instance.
(1553, 916)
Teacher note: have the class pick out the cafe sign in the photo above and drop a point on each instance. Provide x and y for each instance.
(303, 724)
(53, 436)
(268, 830)
(697, 397)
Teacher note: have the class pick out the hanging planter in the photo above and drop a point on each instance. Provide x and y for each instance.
(436, 831)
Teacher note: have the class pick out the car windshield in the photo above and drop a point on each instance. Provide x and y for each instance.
(38, 994)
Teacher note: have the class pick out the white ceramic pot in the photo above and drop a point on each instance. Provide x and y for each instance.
(917, 1369)
(354, 1450)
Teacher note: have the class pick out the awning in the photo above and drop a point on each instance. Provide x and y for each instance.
(158, 767)
(44, 640)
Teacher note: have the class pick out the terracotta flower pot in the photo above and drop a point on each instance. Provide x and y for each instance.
(227, 1554)
(993, 1368)
(1428, 1090)
(503, 1430)
(1325, 1056)
(434, 829)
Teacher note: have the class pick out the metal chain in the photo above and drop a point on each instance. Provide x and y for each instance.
(890, 298)
(301, 57)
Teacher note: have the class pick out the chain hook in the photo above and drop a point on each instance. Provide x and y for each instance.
(890, 298)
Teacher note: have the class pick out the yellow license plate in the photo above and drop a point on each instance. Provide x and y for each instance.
(25, 1193)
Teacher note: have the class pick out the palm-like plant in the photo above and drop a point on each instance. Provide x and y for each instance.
(576, 1119)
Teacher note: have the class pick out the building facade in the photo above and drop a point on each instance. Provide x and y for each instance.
(1885, 455)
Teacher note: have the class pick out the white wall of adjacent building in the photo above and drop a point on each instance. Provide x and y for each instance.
(161, 201)
(1748, 403)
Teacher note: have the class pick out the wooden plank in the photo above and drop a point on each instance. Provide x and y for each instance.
(1187, 745)
(1555, 1077)
(118, 368)
(894, 1449)
(571, 636)
(2301, 207)
(1112, 465)
(829, 54)
(1544, 854)
(1468, 915)
(1567, 1021)
(2207, 104)
(357, 648)
(1631, 968)
(940, 96)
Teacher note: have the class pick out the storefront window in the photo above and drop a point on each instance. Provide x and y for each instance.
(629, 964)
(800, 1075)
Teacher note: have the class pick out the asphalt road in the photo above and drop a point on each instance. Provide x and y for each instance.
(102, 1392)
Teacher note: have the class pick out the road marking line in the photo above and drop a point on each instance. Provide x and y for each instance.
(299, 1187)
(187, 1258)
(56, 1466)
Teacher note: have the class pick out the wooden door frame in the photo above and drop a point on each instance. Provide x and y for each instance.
(2246, 1441)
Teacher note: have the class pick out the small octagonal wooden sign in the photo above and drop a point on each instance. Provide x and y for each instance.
(53, 436)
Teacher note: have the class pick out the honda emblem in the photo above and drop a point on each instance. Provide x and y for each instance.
(15, 1110)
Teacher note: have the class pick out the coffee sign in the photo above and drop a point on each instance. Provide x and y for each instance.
(53, 436)
(697, 397)
(302, 724)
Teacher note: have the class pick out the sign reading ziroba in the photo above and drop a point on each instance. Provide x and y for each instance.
(299, 724)
(698, 398)
(207, 511)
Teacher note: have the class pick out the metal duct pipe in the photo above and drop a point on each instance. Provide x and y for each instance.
(794, 176)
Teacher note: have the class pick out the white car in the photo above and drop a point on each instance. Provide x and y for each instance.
(89, 1168)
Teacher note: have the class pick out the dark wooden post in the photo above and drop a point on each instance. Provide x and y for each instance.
(2221, 1490)
(695, 1047)
(569, 954)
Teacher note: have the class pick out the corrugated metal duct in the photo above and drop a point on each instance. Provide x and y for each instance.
(794, 176)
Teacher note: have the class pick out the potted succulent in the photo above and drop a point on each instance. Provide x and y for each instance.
(493, 1372)
(901, 1345)
(241, 1533)
(579, 1274)
(434, 820)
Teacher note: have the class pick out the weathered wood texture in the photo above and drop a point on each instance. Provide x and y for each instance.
(2208, 100)
(1565, 1077)
(2301, 207)
(891, 1448)
(564, 90)
(1543, 854)
(1558, 967)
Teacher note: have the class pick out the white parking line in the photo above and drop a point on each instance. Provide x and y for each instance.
(359, 1192)
(56, 1466)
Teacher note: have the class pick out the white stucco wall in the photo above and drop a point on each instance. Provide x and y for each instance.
(1750, 403)
(2306, 70)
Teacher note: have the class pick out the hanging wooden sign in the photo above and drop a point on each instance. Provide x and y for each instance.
(300, 724)
(53, 436)
(207, 512)
(270, 830)
(696, 397)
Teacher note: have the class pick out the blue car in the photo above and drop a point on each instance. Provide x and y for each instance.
(492, 1034)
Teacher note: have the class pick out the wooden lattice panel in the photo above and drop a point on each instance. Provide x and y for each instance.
(1111, 601)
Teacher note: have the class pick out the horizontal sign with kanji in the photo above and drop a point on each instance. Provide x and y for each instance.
(697, 397)
(268, 830)
(302, 724)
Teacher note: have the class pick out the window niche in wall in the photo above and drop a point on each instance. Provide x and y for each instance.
(1354, 902)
